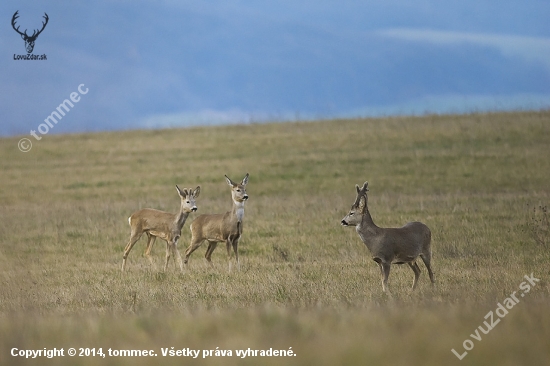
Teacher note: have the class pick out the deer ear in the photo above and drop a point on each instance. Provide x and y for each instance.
(180, 192)
(197, 191)
(229, 181)
(244, 182)
(365, 185)
(357, 189)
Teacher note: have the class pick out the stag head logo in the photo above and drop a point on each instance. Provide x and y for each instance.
(29, 40)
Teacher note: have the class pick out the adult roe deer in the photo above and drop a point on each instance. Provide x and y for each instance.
(215, 228)
(390, 245)
(164, 225)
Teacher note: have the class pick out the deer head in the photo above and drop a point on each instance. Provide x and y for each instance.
(238, 190)
(355, 215)
(29, 40)
(187, 197)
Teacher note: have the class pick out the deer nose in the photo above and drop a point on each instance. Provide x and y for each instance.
(245, 197)
(343, 222)
(194, 209)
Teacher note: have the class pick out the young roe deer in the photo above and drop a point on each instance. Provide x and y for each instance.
(215, 228)
(390, 245)
(164, 225)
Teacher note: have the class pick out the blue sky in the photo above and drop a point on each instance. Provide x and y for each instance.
(154, 64)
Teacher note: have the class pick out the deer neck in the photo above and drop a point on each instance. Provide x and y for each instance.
(368, 231)
(237, 213)
(181, 217)
(367, 224)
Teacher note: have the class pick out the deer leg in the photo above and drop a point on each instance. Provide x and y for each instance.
(416, 270)
(211, 247)
(133, 239)
(177, 254)
(174, 251)
(381, 270)
(385, 267)
(426, 258)
(168, 251)
(173, 254)
(235, 245)
(192, 247)
(150, 242)
(228, 247)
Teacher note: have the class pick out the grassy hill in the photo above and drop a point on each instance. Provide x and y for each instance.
(480, 182)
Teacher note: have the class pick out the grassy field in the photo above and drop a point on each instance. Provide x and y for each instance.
(480, 182)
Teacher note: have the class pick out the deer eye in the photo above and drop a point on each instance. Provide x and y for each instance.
(187, 201)
(351, 213)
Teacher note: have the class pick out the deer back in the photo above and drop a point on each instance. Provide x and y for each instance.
(158, 223)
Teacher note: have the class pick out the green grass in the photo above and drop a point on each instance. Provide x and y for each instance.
(480, 182)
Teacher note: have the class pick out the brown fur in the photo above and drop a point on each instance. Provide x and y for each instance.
(390, 245)
(215, 228)
(164, 225)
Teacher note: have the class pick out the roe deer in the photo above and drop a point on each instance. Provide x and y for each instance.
(390, 245)
(215, 228)
(164, 225)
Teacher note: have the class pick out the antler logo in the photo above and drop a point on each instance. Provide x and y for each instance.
(29, 40)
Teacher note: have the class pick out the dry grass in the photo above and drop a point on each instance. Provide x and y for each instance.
(478, 181)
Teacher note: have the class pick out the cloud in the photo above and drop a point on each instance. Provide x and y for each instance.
(530, 49)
